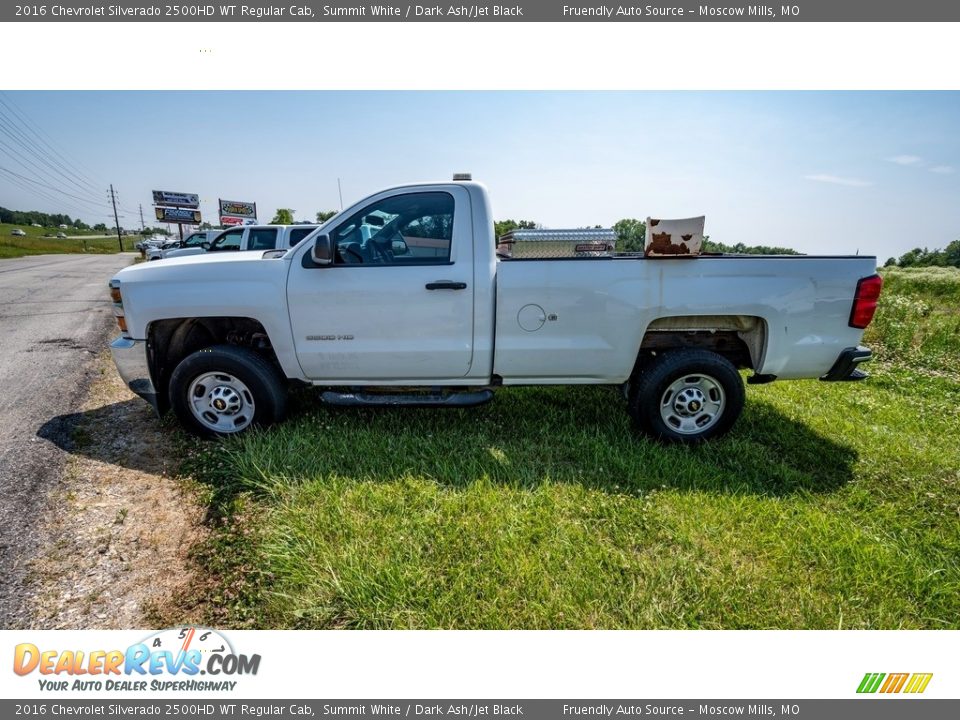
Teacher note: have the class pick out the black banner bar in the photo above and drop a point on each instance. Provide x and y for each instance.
(225, 707)
(524, 11)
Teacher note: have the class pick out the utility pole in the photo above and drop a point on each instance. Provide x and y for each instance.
(340, 190)
(143, 225)
(113, 199)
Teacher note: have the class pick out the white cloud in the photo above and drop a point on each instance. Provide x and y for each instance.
(837, 180)
(942, 169)
(905, 159)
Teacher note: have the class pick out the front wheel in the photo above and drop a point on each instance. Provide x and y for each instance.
(224, 390)
(687, 396)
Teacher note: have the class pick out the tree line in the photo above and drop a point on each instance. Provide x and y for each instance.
(35, 217)
(923, 257)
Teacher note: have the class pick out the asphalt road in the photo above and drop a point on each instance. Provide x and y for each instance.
(55, 315)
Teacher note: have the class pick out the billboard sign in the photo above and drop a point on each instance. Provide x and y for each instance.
(178, 215)
(176, 199)
(237, 209)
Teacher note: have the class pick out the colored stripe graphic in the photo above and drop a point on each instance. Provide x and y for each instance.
(918, 682)
(894, 682)
(870, 683)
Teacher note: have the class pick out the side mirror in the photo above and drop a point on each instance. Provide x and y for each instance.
(399, 247)
(205, 245)
(322, 251)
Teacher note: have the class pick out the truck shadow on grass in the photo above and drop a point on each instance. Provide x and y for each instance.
(526, 437)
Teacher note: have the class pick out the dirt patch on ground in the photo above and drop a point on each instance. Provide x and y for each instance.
(120, 525)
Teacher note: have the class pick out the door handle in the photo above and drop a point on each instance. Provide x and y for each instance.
(446, 285)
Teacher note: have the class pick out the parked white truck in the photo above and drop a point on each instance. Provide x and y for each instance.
(402, 300)
(244, 237)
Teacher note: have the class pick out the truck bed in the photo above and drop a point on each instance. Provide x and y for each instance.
(590, 330)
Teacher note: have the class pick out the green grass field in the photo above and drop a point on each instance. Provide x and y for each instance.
(828, 506)
(34, 243)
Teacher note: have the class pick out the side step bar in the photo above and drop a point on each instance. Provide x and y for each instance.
(467, 398)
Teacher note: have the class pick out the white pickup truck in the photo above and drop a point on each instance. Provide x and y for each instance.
(401, 299)
(246, 237)
(195, 242)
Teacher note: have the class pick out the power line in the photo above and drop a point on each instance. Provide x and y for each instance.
(21, 138)
(51, 187)
(30, 166)
(17, 136)
(51, 166)
(46, 196)
(60, 172)
(38, 131)
(55, 171)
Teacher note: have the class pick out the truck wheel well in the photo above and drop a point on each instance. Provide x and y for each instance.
(741, 339)
(170, 341)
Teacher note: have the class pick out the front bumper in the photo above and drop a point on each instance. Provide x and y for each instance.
(130, 357)
(845, 368)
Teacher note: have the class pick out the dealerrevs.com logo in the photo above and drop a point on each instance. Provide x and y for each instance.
(889, 683)
(180, 659)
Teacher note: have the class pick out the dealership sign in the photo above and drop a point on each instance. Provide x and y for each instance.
(176, 199)
(178, 215)
(228, 221)
(238, 209)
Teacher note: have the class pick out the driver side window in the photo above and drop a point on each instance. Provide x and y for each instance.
(408, 229)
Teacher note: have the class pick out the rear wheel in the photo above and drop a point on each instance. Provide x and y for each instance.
(224, 390)
(687, 396)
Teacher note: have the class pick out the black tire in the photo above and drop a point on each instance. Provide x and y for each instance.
(239, 376)
(720, 386)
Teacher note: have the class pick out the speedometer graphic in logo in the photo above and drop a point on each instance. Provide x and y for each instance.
(184, 639)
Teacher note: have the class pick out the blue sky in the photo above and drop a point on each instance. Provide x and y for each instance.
(832, 172)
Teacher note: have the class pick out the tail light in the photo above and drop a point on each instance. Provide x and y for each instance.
(865, 301)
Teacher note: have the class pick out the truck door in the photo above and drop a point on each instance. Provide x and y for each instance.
(397, 304)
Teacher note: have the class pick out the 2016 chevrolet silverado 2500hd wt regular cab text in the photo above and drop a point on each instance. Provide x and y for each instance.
(402, 299)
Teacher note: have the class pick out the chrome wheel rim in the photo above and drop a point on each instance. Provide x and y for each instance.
(692, 404)
(221, 402)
